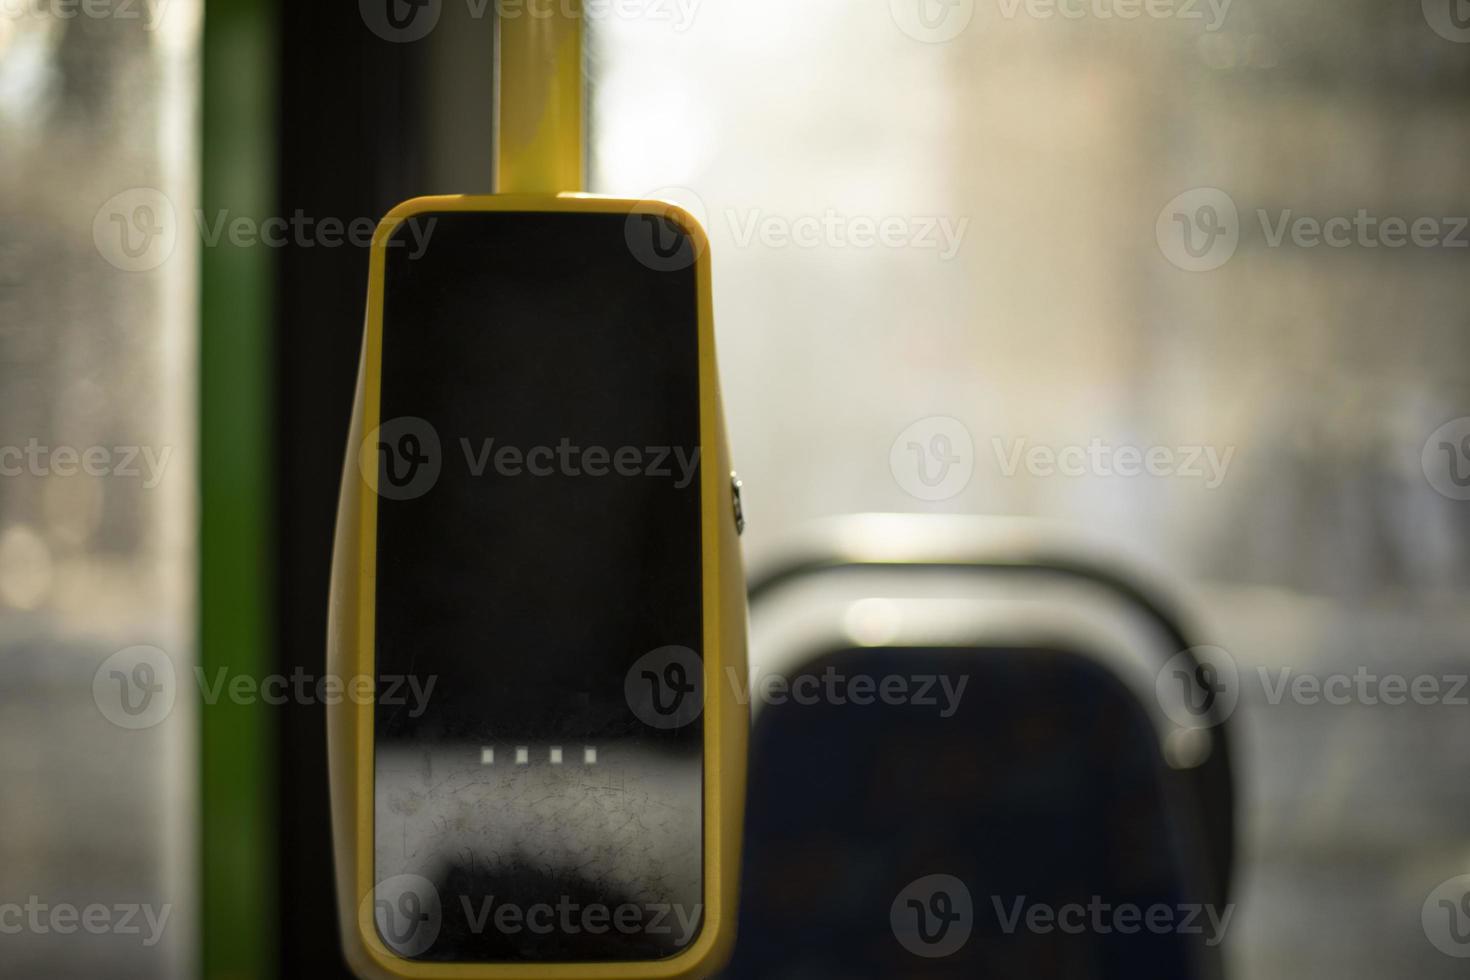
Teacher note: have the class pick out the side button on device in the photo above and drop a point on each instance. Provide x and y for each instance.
(735, 486)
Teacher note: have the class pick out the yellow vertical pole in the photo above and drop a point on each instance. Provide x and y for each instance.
(538, 99)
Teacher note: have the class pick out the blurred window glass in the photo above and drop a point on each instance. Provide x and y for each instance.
(97, 518)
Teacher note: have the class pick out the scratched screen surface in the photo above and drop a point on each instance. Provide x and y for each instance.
(538, 553)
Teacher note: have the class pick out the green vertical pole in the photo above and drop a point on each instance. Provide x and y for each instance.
(238, 920)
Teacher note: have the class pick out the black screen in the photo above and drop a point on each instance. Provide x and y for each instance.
(538, 547)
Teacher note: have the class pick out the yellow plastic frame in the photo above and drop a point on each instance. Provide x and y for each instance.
(351, 650)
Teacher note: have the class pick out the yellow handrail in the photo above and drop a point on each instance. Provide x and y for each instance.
(538, 99)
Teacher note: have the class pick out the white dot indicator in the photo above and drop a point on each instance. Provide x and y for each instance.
(589, 755)
(487, 757)
(556, 755)
(523, 755)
